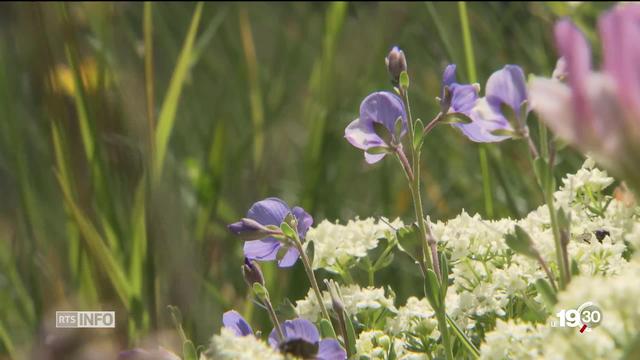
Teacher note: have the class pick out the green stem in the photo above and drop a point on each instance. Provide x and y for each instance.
(311, 276)
(274, 319)
(444, 331)
(428, 239)
(471, 70)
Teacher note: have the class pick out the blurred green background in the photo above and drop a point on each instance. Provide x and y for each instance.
(131, 134)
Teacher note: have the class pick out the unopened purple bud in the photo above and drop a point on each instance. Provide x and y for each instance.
(252, 273)
(396, 64)
(249, 229)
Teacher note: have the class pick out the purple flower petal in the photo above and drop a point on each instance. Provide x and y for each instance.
(290, 257)
(270, 211)
(304, 220)
(385, 108)
(301, 329)
(373, 158)
(573, 47)
(330, 349)
(238, 227)
(464, 98)
(264, 250)
(449, 75)
(235, 322)
(485, 120)
(362, 135)
(507, 86)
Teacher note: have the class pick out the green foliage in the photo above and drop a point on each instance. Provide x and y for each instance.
(103, 204)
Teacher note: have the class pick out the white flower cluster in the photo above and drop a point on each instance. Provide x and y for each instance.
(355, 300)
(336, 245)
(376, 345)
(228, 346)
(617, 297)
(512, 340)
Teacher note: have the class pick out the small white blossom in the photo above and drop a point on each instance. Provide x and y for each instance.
(228, 346)
(336, 245)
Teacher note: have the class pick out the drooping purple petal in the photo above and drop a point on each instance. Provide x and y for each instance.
(290, 257)
(264, 250)
(573, 47)
(233, 321)
(620, 31)
(304, 220)
(385, 108)
(330, 349)
(449, 75)
(373, 158)
(507, 86)
(270, 211)
(362, 135)
(485, 120)
(463, 99)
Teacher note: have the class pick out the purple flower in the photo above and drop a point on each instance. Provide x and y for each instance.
(598, 112)
(456, 98)
(301, 338)
(383, 108)
(265, 217)
(141, 354)
(233, 321)
(505, 87)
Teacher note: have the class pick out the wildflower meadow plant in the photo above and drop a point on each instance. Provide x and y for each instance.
(490, 288)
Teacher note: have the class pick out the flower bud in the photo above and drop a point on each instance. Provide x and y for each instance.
(560, 72)
(252, 273)
(396, 64)
(384, 341)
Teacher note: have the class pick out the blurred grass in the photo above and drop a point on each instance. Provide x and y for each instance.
(103, 205)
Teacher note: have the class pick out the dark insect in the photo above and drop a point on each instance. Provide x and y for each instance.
(601, 234)
(300, 348)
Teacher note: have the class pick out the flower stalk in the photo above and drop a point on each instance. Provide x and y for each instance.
(429, 246)
(312, 278)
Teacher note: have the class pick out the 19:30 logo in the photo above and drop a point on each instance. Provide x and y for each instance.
(587, 317)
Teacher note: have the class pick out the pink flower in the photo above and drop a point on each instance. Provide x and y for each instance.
(597, 111)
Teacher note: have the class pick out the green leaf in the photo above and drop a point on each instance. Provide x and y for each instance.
(444, 281)
(351, 334)
(287, 230)
(418, 134)
(167, 116)
(378, 150)
(575, 270)
(383, 132)
(404, 80)
(521, 243)
(546, 291)
(432, 289)
(398, 127)
(260, 291)
(473, 350)
(189, 351)
(505, 132)
(455, 118)
(326, 329)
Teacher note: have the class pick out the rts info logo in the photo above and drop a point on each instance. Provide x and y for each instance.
(85, 319)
